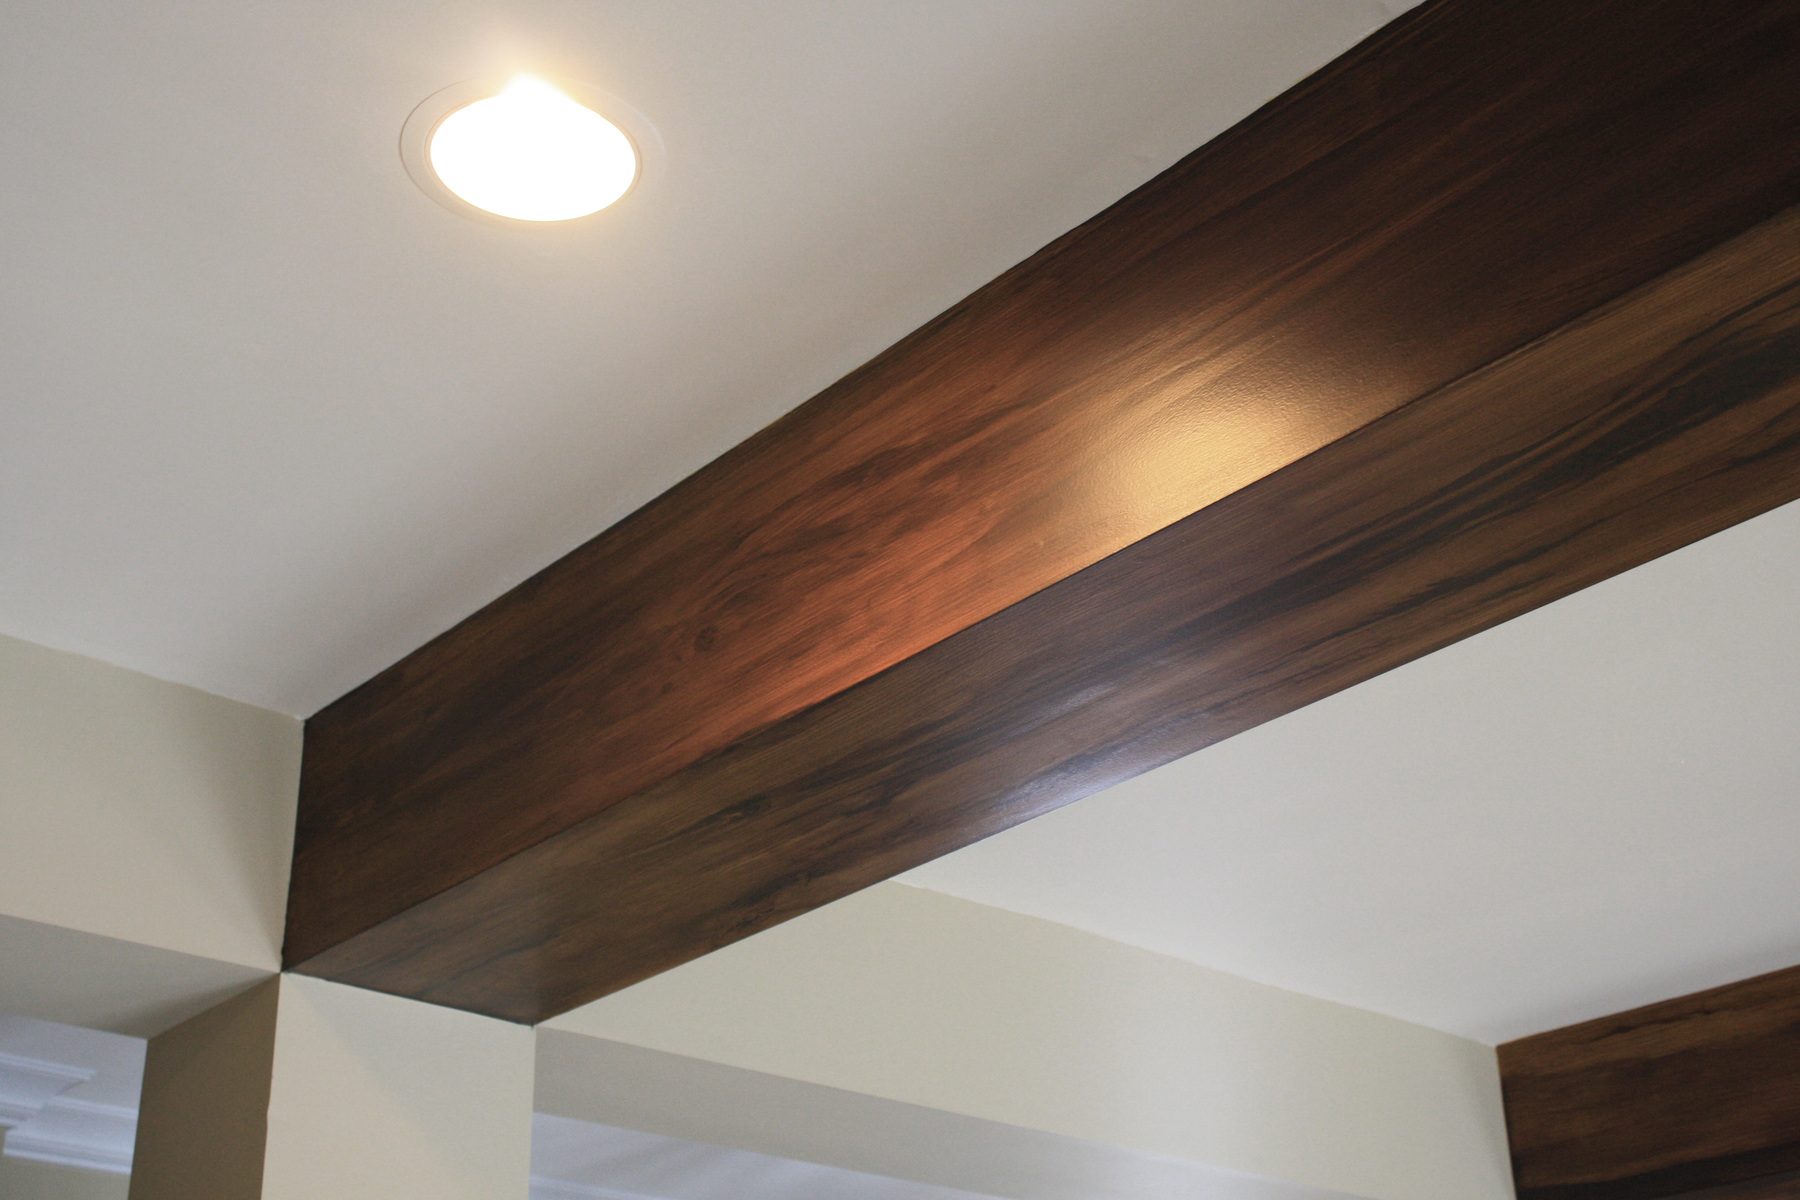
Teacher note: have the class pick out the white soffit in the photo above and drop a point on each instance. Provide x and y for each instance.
(1588, 808)
(56, 973)
(581, 1160)
(705, 1110)
(578, 1160)
(273, 418)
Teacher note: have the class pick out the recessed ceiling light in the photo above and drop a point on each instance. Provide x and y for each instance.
(525, 151)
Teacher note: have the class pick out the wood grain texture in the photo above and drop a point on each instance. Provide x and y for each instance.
(1785, 1186)
(1688, 1094)
(1473, 177)
(1659, 419)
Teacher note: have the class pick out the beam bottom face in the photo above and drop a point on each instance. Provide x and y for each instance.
(300, 1089)
(960, 1025)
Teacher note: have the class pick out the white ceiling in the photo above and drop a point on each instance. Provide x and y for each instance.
(1591, 807)
(272, 418)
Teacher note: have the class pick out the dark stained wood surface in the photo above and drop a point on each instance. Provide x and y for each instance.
(1659, 419)
(1663, 1100)
(1473, 177)
(1785, 1186)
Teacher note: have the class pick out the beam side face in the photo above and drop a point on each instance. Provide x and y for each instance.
(1427, 204)
(1658, 420)
(1701, 1091)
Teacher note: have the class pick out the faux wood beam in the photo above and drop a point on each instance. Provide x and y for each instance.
(1785, 1186)
(1668, 415)
(935, 599)
(1700, 1092)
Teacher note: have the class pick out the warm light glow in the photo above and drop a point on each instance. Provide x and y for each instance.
(533, 154)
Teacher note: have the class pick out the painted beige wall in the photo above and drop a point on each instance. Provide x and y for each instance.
(380, 1098)
(142, 810)
(301, 1088)
(918, 997)
(202, 1116)
(23, 1180)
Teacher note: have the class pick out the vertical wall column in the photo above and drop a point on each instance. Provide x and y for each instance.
(300, 1088)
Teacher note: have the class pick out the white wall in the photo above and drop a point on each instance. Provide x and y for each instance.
(147, 833)
(925, 999)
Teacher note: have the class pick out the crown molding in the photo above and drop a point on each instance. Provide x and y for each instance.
(27, 1084)
(78, 1133)
(46, 1126)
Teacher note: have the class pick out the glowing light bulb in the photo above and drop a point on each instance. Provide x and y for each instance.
(533, 154)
